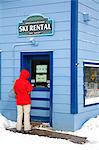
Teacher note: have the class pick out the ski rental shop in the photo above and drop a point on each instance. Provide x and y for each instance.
(57, 41)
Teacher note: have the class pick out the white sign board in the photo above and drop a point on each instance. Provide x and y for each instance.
(41, 78)
(41, 69)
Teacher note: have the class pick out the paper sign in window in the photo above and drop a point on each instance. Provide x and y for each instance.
(41, 78)
(41, 69)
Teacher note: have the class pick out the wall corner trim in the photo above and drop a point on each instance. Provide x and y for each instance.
(74, 56)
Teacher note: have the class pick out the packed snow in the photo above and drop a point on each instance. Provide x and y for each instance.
(11, 141)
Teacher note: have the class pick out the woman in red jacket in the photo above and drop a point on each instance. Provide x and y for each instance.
(22, 89)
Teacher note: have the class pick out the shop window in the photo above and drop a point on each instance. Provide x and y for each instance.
(40, 73)
(91, 83)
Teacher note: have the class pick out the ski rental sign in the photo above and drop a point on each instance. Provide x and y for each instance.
(36, 25)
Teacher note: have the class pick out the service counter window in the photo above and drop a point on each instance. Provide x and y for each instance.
(91, 83)
(40, 73)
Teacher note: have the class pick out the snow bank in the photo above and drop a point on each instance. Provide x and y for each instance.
(5, 123)
(90, 129)
(92, 123)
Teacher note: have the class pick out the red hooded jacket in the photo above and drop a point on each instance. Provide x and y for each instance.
(22, 88)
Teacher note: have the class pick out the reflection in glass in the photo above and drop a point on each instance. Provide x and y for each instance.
(91, 84)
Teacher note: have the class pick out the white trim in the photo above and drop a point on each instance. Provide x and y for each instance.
(91, 61)
(37, 50)
(91, 65)
(90, 101)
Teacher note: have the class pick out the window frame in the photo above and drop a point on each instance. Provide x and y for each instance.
(89, 64)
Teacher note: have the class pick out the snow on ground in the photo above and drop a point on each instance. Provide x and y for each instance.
(11, 141)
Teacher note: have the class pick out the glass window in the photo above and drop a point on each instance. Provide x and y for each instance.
(91, 83)
(40, 73)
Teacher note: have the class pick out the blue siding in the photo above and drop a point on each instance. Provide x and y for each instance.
(40, 94)
(14, 11)
(40, 113)
(59, 81)
(11, 13)
(88, 50)
(61, 72)
(40, 103)
(63, 121)
(61, 108)
(29, 9)
(58, 34)
(61, 89)
(61, 99)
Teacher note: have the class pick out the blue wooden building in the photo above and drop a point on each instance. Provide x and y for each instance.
(58, 42)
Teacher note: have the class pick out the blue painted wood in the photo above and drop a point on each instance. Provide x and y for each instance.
(87, 45)
(80, 80)
(39, 94)
(74, 56)
(56, 15)
(59, 43)
(65, 89)
(63, 121)
(64, 62)
(43, 8)
(89, 37)
(5, 55)
(25, 63)
(88, 50)
(61, 98)
(40, 99)
(8, 113)
(80, 89)
(5, 62)
(5, 96)
(89, 4)
(6, 87)
(40, 108)
(80, 72)
(61, 108)
(89, 55)
(90, 29)
(9, 105)
(14, 38)
(43, 113)
(41, 89)
(65, 53)
(40, 103)
(89, 108)
(61, 81)
(8, 71)
(6, 80)
(39, 118)
(63, 72)
(20, 3)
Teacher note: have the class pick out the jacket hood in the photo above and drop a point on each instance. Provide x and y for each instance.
(24, 74)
